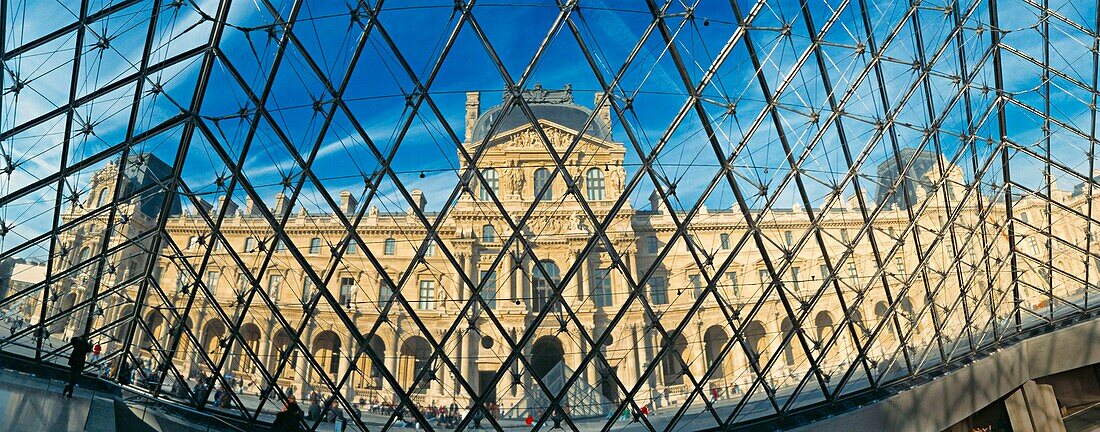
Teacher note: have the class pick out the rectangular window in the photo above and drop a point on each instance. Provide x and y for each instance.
(280, 246)
(352, 249)
(724, 239)
(651, 244)
(391, 246)
(844, 236)
(274, 283)
(1034, 247)
(489, 288)
(212, 281)
(824, 269)
(899, 263)
(734, 283)
(427, 295)
(242, 281)
(765, 278)
(694, 281)
(347, 284)
(385, 294)
(601, 291)
(795, 275)
(181, 282)
(789, 238)
(853, 277)
(249, 244)
(307, 289)
(314, 246)
(430, 251)
(658, 291)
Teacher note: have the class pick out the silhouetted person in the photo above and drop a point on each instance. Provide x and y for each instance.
(314, 410)
(289, 419)
(81, 348)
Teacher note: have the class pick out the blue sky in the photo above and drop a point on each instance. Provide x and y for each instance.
(379, 86)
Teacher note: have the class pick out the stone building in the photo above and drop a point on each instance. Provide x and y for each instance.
(764, 271)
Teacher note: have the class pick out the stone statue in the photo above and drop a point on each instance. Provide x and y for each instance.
(615, 178)
(517, 179)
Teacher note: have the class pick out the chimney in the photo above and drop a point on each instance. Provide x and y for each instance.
(655, 203)
(280, 203)
(249, 207)
(347, 202)
(473, 110)
(204, 206)
(603, 111)
(418, 199)
(230, 206)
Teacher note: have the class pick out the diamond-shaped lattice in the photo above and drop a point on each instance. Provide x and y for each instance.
(580, 214)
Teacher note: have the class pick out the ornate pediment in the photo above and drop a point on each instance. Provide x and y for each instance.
(527, 138)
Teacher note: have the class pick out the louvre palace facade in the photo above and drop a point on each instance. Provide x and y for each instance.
(518, 250)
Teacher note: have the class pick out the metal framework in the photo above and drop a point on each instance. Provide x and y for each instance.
(298, 170)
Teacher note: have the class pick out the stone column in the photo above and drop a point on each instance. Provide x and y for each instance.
(302, 367)
(634, 371)
(264, 352)
(580, 278)
(393, 351)
(515, 367)
(590, 368)
(628, 263)
(468, 349)
(699, 366)
(460, 358)
(348, 390)
(510, 278)
(524, 283)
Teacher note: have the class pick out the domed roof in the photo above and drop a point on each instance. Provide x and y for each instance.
(555, 106)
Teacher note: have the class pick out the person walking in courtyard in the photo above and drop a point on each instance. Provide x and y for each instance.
(81, 348)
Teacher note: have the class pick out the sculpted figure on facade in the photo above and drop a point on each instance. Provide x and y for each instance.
(517, 179)
(615, 178)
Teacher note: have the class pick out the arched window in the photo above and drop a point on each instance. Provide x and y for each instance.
(391, 246)
(488, 234)
(542, 176)
(594, 183)
(103, 197)
(492, 181)
(249, 244)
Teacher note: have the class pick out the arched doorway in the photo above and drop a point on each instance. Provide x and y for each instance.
(369, 370)
(284, 348)
(672, 363)
(713, 341)
(415, 353)
(886, 337)
(755, 338)
(67, 303)
(788, 350)
(154, 322)
(122, 331)
(824, 323)
(250, 333)
(546, 354)
(326, 350)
